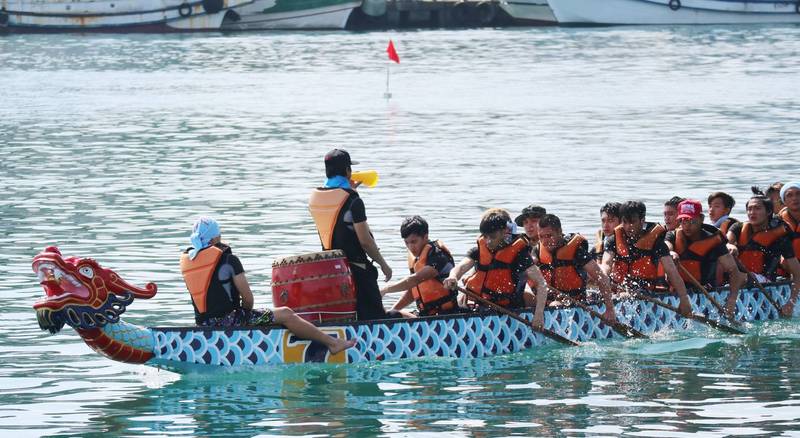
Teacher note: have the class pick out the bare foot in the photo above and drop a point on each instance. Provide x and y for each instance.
(341, 345)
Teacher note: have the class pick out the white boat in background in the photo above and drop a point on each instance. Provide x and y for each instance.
(675, 11)
(114, 15)
(291, 14)
(535, 12)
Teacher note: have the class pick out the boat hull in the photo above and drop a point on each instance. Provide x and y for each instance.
(529, 12)
(674, 11)
(456, 336)
(115, 15)
(291, 15)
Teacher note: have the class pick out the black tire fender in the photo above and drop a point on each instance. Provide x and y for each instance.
(674, 4)
(184, 10)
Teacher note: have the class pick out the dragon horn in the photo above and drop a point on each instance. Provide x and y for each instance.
(121, 285)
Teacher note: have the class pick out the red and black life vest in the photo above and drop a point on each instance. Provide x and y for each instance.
(561, 272)
(638, 263)
(726, 225)
(431, 296)
(694, 254)
(754, 248)
(794, 226)
(493, 278)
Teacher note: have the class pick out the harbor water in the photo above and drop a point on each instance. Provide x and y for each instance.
(113, 144)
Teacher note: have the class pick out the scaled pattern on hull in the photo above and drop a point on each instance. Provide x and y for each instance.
(469, 336)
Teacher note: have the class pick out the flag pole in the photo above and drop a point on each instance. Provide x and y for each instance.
(387, 95)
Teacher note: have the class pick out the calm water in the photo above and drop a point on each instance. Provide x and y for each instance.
(112, 145)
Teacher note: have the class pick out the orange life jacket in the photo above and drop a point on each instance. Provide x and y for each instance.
(493, 278)
(795, 227)
(325, 206)
(197, 274)
(637, 263)
(726, 225)
(560, 271)
(431, 296)
(693, 254)
(753, 248)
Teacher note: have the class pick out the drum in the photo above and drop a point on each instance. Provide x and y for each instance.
(317, 286)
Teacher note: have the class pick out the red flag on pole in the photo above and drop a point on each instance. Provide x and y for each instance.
(392, 52)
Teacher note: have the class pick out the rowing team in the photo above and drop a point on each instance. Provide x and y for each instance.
(542, 266)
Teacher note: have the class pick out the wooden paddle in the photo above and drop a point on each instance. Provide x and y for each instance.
(716, 324)
(761, 287)
(710, 297)
(549, 333)
(622, 329)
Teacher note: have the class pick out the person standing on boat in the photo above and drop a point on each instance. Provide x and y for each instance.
(221, 294)
(609, 219)
(763, 241)
(503, 265)
(636, 255)
(529, 220)
(671, 213)
(567, 264)
(701, 249)
(430, 263)
(341, 221)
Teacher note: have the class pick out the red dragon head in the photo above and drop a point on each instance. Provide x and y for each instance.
(80, 292)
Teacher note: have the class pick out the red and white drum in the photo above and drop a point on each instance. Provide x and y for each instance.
(317, 286)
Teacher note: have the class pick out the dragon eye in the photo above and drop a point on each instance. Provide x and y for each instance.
(87, 272)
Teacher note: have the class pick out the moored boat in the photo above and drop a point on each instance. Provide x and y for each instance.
(529, 12)
(292, 14)
(675, 11)
(115, 15)
(84, 295)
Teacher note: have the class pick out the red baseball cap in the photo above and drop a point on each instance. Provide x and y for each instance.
(689, 209)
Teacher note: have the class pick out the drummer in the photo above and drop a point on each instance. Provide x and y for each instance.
(221, 294)
(341, 221)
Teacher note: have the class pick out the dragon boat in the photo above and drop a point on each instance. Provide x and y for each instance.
(90, 298)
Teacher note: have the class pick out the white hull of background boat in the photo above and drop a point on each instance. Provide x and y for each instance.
(674, 11)
(114, 15)
(283, 15)
(529, 11)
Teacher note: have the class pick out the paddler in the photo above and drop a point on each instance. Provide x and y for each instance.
(503, 264)
(790, 195)
(528, 219)
(774, 193)
(671, 213)
(720, 205)
(430, 263)
(609, 219)
(221, 294)
(765, 245)
(341, 220)
(567, 265)
(701, 250)
(636, 250)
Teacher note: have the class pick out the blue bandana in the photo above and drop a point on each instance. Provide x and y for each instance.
(337, 182)
(204, 229)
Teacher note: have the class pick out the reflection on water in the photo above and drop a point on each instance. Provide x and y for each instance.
(112, 145)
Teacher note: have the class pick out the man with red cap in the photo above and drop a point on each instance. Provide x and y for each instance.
(701, 248)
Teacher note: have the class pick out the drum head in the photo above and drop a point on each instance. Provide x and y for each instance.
(309, 257)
